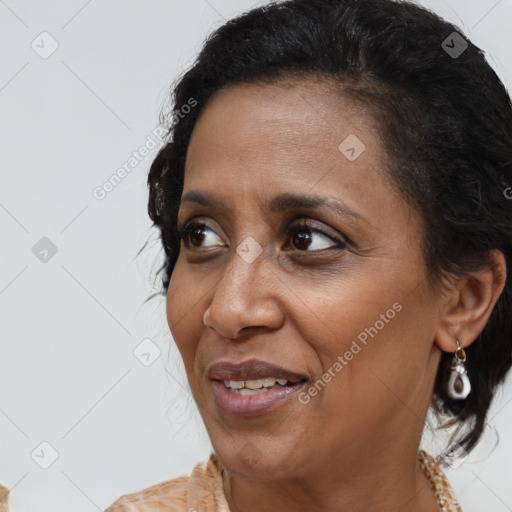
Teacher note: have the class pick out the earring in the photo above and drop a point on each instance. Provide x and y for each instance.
(459, 386)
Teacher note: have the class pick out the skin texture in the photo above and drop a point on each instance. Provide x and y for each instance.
(302, 304)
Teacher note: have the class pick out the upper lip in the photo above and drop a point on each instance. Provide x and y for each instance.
(251, 370)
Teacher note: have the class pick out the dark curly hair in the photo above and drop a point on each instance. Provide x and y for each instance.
(445, 121)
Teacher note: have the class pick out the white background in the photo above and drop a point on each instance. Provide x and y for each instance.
(69, 326)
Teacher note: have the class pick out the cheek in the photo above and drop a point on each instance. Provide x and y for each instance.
(336, 315)
(373, 340)
(183, 309)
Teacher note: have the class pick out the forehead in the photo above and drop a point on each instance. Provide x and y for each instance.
(294, 131)
(298, 117)
(298, 136)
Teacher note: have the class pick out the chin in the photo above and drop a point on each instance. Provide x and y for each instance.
(257, 458)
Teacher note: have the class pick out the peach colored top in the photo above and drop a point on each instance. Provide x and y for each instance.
(4, 496)
(202, 491)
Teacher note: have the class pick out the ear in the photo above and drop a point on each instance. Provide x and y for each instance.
(468, 303)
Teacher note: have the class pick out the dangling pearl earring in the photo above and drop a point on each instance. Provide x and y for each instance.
(459, 386)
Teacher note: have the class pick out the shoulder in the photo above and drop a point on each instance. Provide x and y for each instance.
(204, 485)
(169, 496)
(4, 497)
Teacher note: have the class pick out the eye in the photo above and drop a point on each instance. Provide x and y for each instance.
(194, 233)
(303, 237)
(306, 238)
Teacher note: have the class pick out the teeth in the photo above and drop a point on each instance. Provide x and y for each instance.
(267, 382)
(254, 384)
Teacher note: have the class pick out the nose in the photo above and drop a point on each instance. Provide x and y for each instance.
(245, 299)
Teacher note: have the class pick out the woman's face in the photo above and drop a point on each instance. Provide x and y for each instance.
(327, 284)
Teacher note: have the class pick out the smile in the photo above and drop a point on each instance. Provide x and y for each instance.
(234, 399)
(252, 387)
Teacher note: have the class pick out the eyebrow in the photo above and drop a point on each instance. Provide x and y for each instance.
(279, 203)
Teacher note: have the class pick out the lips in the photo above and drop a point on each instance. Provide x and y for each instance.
(252, 369)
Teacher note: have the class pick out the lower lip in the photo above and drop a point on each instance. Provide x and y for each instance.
(239, 406)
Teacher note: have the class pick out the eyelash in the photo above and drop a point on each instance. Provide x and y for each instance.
(186, 228)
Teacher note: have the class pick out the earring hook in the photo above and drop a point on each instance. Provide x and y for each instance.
(460, 354)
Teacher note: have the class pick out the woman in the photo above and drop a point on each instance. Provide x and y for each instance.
(332, 204)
